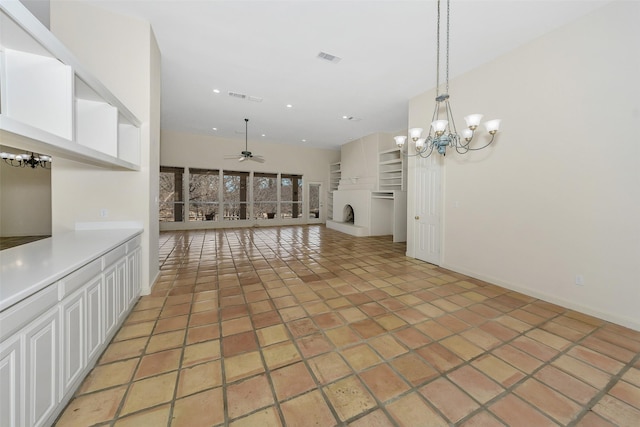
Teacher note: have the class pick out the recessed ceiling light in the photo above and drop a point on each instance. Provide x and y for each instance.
(216, 91)
(345, 117)
(304, 140)
(289, 106)
(264, 134)
(214, 128)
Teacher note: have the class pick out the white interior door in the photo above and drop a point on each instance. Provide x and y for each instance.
(315, 205)
(428, 209)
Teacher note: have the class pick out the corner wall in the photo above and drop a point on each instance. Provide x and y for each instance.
(557, 195)
(122, 53)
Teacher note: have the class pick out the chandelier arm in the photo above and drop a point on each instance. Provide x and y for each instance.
(406, 154)
(484, 146)
(463, 148)
(420, 153)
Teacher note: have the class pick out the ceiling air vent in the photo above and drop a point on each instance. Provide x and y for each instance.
(254, 98)
(237, 95)
(328, 57)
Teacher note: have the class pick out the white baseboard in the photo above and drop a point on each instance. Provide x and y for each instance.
(610, 317)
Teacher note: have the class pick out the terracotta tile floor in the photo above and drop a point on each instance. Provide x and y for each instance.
(304, 326)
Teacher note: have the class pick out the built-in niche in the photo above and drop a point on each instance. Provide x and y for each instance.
(349, 216)
(25, 202)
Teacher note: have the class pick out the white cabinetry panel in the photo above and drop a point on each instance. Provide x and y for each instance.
(38, 91)
(41, 339)
(110, 301)
(94, 325)
(72, 317)
(11, 383)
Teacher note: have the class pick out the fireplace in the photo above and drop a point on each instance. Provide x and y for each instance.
(349, 216)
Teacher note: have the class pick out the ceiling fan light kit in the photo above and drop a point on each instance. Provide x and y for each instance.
(443, 132)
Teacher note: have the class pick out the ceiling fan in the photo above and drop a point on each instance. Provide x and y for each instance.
(246, 154)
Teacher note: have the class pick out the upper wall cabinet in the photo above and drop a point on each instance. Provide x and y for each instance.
(50, 104)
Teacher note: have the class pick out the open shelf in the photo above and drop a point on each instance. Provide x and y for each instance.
(51, 104)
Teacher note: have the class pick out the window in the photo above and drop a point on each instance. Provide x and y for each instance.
(204, 203)
(234, 188)
(290, 196)
(265, 195)
(171, 194)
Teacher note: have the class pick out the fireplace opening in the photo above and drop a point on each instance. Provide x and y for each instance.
(349, 217)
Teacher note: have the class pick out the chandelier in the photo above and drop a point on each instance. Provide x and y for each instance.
(23, 160)
(443, 132)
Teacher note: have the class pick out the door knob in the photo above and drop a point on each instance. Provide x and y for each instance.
(417, 217)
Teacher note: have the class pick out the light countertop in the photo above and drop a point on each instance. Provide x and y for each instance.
(27, 269)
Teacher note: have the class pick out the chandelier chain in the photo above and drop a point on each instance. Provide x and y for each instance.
(447, 59)
(438, 53)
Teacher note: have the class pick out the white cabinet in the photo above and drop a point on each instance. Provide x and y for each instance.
(72, 317)
(11, 383)
(41, 357)
(110, 304)
(62, 330)
(122, 286)
(133, 269)
(94, 324)
(49, 103)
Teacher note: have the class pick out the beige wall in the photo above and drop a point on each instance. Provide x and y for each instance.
(359, 160)
(121, 52)
(25, 199)
(557, 196)
(208, 152)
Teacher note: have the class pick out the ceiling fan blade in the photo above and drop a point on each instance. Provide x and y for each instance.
(242, 159)
(258, 159)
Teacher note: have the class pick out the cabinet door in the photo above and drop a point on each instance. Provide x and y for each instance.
(73, 358)
(41, 339)
(110, 301)
(133, 272)
(94, 318)
(121, 283)
(11, 383)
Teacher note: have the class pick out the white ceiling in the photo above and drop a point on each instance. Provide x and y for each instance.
(268, 49)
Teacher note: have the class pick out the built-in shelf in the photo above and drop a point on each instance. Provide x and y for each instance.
(392, 170)
(49, 103)
(335, 174)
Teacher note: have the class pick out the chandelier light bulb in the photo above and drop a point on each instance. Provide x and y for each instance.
(473, 120)
(400, 140)
(420, 143)
(467, 134)
(492, 126)
(415, 133)
(439, 126)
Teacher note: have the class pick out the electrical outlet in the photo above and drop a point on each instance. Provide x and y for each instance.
(579, 280)
(104, 213)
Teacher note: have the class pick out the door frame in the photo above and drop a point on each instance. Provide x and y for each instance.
(322, 216)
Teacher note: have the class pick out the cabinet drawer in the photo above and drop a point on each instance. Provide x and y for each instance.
(133, 243)
(25, 311)
(79, 278)
(113, 256)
